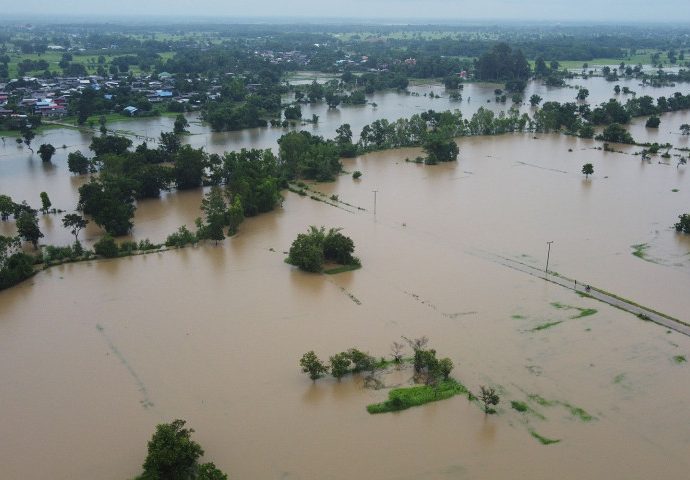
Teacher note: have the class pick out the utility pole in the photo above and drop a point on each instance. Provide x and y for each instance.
(548, 254)
(375, 191)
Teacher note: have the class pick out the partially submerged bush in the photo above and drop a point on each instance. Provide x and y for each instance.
(106, 247)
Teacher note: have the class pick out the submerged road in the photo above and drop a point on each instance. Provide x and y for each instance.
(641, 312)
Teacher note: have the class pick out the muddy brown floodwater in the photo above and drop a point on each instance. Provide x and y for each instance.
(94, 355)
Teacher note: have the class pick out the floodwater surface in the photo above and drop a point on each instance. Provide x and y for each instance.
(93, 355)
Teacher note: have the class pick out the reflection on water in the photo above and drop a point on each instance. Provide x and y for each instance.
(214, 333)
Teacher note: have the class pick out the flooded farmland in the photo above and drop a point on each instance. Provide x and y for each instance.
(94, 355)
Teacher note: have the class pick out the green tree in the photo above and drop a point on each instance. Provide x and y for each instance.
(338, 248)
(8, 247)
(439, 147)
(582, 94)
(46, 152)
(78, 163)
(208, 471)
(315, 91)
(180, 125)
(235, 215)
(172, 454)
(616, 133)
(311, 365)
(685, 129)
(106, 247)
(445, 366)
(361, 361)
(683, 224)
(110, 201)
(188, 168)
(45, 202)
(293, 112)
(489, 398)
(7, 207)
(340, 365)
(170, 142)
(15, 265)
(587, 169)
(586, 130)
(653, 122)
(76, 223)
(109, 144)
(306, 251)
(27, 227)
(28, 136)
(216, 212)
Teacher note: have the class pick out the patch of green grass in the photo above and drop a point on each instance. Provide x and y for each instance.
(518, 317)
(619, 378)
(640, 250)
(523, 407)
(404, 398)
(543, 440)
(585, 312)
(519, 406)
(674, 190)
(578, 412)
(539, 400)
(341, 269)
(574, 411)
(680, 359)
(544, 326)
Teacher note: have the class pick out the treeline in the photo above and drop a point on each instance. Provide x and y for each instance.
(250, 179)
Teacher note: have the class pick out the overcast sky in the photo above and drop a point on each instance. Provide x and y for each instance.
(411, 10)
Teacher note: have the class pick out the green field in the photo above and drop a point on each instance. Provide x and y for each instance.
(90, 61)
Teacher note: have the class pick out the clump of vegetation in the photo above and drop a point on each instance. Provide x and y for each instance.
(489, 398)
(356, 174)
(519, 406)
(543, 440)
(680, 359)
(15, 266)
(106, 247)
(683, 224)
(172, 454)
(640, 250)
(180, 238)
(404, 398)
(310, 250)
(584, 312)
(574, 411)
(653, 122)
(312, 365)
(544, 326)
(587, 170)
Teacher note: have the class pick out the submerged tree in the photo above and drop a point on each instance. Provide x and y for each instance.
(489, 398)
(45, 203)
(46, 152)
(76, 223)
(587, 169)
(311, 365)
(340, 365)
(27, 226)
(173, 455)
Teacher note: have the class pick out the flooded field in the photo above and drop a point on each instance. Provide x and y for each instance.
(94, 355)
